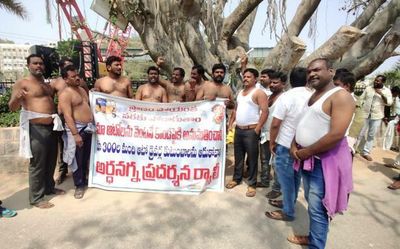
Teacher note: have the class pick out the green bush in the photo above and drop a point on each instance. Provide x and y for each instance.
(7, 118)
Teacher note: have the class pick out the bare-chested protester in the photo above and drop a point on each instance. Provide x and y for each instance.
(214, 89)
(58, 85)
(38, 141)
(176, 87)
(196, 81)
(114, 83)
(74, 106)
(152, 91)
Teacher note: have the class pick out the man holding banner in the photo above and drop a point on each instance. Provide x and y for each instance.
(152, 91)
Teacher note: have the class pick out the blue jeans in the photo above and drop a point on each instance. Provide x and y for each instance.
(246, 143)
(372, 125)
(288, 178)
(314, 191)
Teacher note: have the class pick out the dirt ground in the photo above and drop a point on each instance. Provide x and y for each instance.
(105, 219)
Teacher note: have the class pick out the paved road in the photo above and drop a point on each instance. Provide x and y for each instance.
(105, 219)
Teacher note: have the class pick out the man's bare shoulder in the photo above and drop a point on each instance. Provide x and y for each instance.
(342, 95)
(124, 80)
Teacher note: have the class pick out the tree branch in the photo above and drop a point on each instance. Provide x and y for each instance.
(303, 13)
(363, 20)
(337, 45)
(232, 22)
(368, 63)
(375, 30)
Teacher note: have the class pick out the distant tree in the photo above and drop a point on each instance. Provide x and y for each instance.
(393, 76)
(14, 7)
(6, 41)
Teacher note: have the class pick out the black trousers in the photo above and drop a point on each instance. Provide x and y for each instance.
(44, 143)
(246, 143)
(82, 156)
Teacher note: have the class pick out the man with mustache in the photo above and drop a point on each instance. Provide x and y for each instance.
(152, 91)
(38, 141)
(322, 153)
(374, 99)
(216, 88)
(176, 87)
(251, 114)
(196, 81)
(114, 84)
(58, 85)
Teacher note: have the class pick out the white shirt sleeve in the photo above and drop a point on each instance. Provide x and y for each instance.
(280, 108)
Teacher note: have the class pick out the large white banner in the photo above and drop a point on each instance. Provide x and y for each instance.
(168, 147)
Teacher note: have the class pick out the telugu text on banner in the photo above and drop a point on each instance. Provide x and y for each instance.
(168, 147)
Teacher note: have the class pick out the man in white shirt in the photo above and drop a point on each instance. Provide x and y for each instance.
(286, 116)
(374, 99)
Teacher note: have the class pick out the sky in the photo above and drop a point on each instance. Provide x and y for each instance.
(35, 30)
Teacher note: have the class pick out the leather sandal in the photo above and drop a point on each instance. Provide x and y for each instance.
(231, 184)
(299, 240)
(43, 205)
(276, 203)
(278, 215)
(251, 192)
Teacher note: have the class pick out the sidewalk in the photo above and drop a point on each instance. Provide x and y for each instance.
(105, 219)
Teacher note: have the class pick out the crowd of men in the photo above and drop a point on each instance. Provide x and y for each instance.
(308, 132)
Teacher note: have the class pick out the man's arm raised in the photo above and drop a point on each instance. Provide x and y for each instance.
(342, 109)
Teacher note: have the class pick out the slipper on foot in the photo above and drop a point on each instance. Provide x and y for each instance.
(278, 215)
(273, 194)
(251, 192)
(231, 184)
(299, 240)
(43, 205)
(7, 213)
(79, 192)
(276, 203)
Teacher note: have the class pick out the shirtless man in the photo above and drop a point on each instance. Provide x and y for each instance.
(216, 88)
(74, 105)
(175, 88)
(196, 81)
(37, 97)
(58, 85)
(114, 83)
(152, 91)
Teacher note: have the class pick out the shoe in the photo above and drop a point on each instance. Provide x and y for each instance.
(61, 178)
(251, 191)
(367, 157)
(43, 205)
(273, 194)
(299, 240)
(79, 192)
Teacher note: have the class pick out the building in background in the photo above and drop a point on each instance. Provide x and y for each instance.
(13, 61)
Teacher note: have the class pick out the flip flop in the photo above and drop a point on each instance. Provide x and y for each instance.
(251, 192)
(79, 192)
(395, 185)
(43, 205)
(273, 194)
(276, 203)
(231, 184)
(278, 215)
(7, 213)
(299, 240)
(57, 191)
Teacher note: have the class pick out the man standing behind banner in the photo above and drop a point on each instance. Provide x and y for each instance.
(216, 88)
(176, 87)
(196, 81)
(152, 91)
(114, 84)
(251, 114)
(38, 141)
(74, 105)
